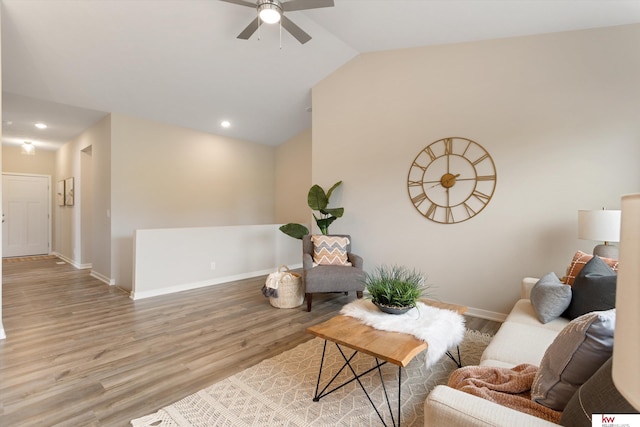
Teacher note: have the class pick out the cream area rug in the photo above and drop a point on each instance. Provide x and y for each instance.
(279, 391)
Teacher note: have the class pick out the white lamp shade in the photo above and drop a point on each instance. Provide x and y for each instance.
(600, 225)
(626, 347)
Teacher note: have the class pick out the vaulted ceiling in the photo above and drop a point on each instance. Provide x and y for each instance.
(69, 62)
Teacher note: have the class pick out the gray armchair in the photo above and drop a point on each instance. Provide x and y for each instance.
(330, 278)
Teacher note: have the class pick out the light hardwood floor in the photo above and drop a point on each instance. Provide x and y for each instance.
(81, 353)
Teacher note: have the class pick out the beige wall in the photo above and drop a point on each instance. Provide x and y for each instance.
(65, 222)
(92, 159)
(558, 113)
(293, 179)
(166, 176)
(43, 163)
(83, 231)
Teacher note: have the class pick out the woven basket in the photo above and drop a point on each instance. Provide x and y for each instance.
(290, 291)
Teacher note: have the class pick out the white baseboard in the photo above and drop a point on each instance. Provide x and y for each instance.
(72, 262)
(195, 285)
(93, 274)
(2, 334)
(102, 278)
(485, 314)
(62, 257)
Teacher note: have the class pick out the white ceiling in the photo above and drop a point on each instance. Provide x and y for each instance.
(69, 62)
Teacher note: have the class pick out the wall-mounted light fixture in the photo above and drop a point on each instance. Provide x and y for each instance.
(28, 148)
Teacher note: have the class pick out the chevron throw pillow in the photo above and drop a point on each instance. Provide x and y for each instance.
(330, 250)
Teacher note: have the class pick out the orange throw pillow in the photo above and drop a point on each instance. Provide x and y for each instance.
(579, 261)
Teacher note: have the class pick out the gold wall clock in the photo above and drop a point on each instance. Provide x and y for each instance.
(451, 180)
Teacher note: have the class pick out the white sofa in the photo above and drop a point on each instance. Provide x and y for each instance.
(522, 338)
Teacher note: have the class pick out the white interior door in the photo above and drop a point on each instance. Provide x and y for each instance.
(25, 215)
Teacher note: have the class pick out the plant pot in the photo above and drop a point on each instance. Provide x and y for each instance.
(392, 310)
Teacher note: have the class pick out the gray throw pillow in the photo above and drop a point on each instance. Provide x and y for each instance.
(593, 290)
(550, 297)
(578, 351)
(597, 396)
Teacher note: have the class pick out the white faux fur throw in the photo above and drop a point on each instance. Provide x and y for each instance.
(441, 329)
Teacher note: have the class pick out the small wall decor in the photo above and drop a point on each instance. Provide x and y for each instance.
(68, 191)
(60, 193)
(451, 180)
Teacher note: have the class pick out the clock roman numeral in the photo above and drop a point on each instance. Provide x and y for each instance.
(431, 212)
(480, 159)
(483, 198)
(469, 210)
(448, 146)
(448, 215)
(430, 152)
(417, 200)
(486, 178)
(414, 183)
(466, 148)
(416, 164)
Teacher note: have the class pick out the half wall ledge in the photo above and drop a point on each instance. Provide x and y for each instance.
(170, 260)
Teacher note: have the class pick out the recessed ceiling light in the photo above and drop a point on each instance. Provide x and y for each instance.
(225, 123)
(41, 126)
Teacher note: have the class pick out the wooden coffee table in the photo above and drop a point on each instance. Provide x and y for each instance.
(392, 347)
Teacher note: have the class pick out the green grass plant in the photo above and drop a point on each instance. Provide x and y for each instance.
(396, 286)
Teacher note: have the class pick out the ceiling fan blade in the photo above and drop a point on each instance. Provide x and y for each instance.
(242, 3)
(251, 28)
(294, 30)
(305, 4)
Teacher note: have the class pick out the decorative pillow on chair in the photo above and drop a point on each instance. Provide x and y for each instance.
(580, 259)
(550, 297)
(330, 250)
(578, 351)
(593, 290)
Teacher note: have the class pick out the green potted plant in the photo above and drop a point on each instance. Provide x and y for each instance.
(317, 200)
(395, 289)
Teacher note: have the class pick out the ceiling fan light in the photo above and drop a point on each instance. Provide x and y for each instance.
(269, 13)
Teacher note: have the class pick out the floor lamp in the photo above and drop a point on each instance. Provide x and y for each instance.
(626, 348)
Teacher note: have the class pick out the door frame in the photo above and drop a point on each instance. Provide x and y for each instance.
(49, 210)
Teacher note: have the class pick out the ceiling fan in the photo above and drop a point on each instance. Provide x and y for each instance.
(272, 11)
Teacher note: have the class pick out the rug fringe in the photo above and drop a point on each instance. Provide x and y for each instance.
(479, 334)
(154, 420)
